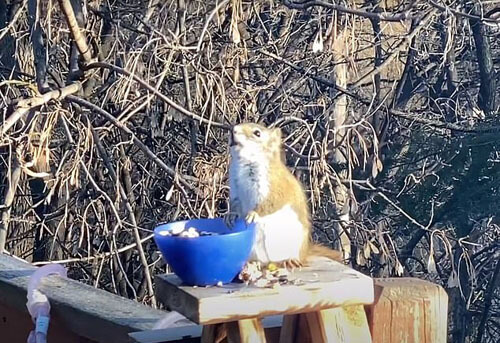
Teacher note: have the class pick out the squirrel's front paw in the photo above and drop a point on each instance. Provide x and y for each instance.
(230, 219)
(251, 217)
(292, 264)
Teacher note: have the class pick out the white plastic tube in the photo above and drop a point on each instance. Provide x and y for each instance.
(38, 305)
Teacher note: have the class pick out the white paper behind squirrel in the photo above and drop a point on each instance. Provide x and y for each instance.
(264, 191)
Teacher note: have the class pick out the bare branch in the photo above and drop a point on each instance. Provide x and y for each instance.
(493, 284)
(39, 50)
(27, 104)
(488, 89)
(155, 91)
(174, 174)
(13, 22)
(404, 43)
(465, 15)
(405, 15)
(14, 174)
(76, 32)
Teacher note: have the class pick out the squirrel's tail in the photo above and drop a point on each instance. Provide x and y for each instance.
(320, 250)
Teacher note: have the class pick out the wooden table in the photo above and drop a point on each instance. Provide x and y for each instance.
(326, 307)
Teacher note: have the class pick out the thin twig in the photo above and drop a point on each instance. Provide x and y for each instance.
(158, 93)
(97, 256)
(397, 113)
(395, 52)
(14, 174)
(193, 126)
(401, 16)
(462, 14)
(207, 22)
(142, 256)
(394, 17)
(319, 79)
(444, 125)
(174, 174)
(9, 27)
(493, 285)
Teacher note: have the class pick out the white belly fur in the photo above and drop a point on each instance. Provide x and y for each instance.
(279, 237)
(280, 234)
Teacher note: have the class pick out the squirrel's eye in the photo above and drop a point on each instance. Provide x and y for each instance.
(256, 133)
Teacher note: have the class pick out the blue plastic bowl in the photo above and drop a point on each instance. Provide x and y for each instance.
(206, 260)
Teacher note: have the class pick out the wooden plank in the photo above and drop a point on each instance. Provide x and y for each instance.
(193, 332)
(408, 310)
(15, 326)
(84, 310)
(184, 334)
(245, 331)
(339, 325)
(326, 284)
(289, 328)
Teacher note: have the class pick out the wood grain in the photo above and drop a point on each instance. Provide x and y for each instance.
(15, 326)
(326, 284)
(340, 325)
(408, 310)
(245, 331)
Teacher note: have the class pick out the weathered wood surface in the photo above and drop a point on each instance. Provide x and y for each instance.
(208, 333)
(245, 331)
(326, 284)
(89, 312)
(408, 310)
(340, 325)
(15, 326)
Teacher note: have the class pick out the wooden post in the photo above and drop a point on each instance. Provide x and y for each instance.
(408, 310)
(245, 331)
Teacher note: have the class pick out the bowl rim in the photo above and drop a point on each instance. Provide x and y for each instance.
(157, 230)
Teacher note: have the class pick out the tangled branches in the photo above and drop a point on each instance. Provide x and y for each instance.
(115, 117)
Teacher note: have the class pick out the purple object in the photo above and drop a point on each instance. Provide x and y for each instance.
(206, 260)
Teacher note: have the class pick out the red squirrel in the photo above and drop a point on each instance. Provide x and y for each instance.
(265, 192)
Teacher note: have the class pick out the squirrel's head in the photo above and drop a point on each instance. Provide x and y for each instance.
(254, 140)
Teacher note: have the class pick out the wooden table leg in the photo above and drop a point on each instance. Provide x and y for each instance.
(245, 331)
(339, 325)
(289, 328)
(295, 329)
(214, 333)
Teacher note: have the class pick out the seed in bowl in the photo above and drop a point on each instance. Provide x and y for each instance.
(177, 230)
(193, 230)
(189, 233)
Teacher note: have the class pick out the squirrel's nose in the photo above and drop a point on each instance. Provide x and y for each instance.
(231, 135)
(235, 129)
